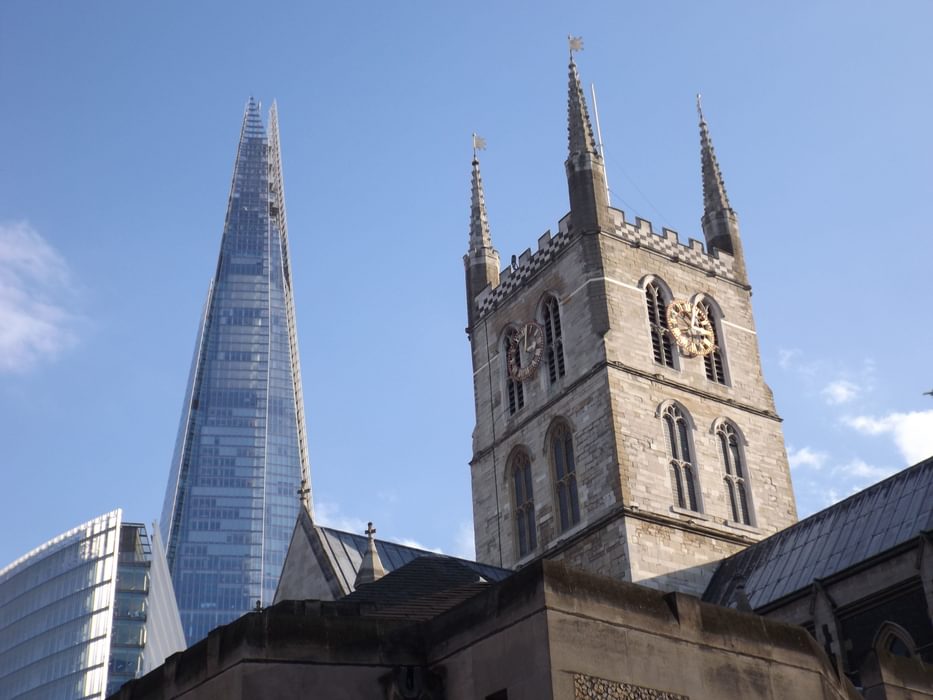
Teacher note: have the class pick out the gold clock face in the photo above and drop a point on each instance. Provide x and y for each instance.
(526, 346)
(691, 328)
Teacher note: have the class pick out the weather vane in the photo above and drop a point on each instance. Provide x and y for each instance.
(575, 43)
(479, 144)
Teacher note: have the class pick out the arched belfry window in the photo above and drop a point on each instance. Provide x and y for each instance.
(565, 475)
(514, 389)
(525, 534)
(714, 361)
(661, 343)
(734, 475)
(553, 338)
(682, 465)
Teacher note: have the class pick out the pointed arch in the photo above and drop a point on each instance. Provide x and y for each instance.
(735, 471)
(895, 640)
(559, 448)
(514, 391)
(519, 471)
(553, 337)
(678, 429)
(714, 362)
(657, 297)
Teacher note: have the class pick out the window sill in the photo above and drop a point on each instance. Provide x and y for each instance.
(742, 526)
(695, 514)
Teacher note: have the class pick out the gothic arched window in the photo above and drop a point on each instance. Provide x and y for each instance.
(895, 640)
(661, 343)
(520, 466)
(714, 361)
(565, 475)
(682, 465)
(514, 389)
(734, 474)
(553, 339)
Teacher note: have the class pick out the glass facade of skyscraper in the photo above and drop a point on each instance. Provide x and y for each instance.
(86, 612)
(241, 457)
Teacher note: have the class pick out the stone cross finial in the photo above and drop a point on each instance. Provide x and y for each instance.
(370, 530)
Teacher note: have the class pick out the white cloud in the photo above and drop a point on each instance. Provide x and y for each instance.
(406, 542)
(806, 457)
(839, 391)
(331, 515)
(912, 432)
(35, 293)
(859, 471)
(787, 357)
(465, 544)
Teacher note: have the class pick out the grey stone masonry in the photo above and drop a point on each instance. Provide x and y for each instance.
(612, 396)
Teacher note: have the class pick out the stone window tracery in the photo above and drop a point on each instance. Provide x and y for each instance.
(734, 475)
(553, 338)
(565, 475)
(714, 362)
(514, 388)
(682, 465)
(526, 535)
(661, 344)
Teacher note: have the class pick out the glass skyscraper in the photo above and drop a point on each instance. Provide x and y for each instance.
(86, 612)
(240, 468)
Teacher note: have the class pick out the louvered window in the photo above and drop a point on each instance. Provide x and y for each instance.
(524, 504)
(682, 466)
(565, 476)
(553, 340)
(661, 343)
(734, 476)
(715, 365)
(516, 392)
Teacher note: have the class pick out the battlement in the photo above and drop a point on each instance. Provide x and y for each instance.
(667, 243)
(526, 265)
(638, 235)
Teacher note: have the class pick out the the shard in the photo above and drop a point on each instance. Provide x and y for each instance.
(240, 468)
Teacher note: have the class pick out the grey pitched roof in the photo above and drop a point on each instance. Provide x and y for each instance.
(421, 589)
(345, 550)
(866, 524)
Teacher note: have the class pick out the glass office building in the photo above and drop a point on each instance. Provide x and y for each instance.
(86, 612)
(240, 460)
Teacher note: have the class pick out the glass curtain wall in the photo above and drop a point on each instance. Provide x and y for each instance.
(241, 456)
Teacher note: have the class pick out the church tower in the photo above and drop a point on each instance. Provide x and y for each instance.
(622, 420)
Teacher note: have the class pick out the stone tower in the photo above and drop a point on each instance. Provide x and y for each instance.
(622, 421)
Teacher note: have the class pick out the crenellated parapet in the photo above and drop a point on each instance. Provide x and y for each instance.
(524, 268)
(639, 234)
(667, 243)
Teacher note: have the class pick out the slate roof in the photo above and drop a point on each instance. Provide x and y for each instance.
(421, 589)
(866, 524)
(346, 549)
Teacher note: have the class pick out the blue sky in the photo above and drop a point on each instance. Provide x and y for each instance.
(118, 136)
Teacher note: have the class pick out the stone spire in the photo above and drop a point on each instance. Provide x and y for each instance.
(479, 220)
(720, 223)
(371, 568)
(481, 262)
(586, 174)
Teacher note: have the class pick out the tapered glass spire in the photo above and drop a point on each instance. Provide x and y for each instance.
(240, 470)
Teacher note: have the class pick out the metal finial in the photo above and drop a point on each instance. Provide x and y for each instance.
(370, 530)
(700, 105)
(575, 43)
(479, 144)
